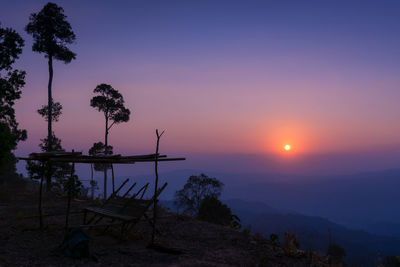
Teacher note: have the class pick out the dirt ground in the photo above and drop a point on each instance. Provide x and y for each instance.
(193, 242)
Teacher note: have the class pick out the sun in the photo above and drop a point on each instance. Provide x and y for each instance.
(287, 147)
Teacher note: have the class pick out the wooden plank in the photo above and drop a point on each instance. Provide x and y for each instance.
(97, 159)
(111, 214)
(100, 224)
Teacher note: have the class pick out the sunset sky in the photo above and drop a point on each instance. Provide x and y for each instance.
(231, 80)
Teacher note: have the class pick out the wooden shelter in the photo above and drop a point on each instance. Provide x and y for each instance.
(77, 157)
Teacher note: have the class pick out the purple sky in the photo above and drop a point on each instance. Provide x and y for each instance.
(228, 79)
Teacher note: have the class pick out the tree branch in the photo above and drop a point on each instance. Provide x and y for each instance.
(110, 126)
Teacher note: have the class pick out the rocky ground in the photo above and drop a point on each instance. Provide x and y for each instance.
(184, 241)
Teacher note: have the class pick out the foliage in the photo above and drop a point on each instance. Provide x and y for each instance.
(291, 243)
(8, 172)
(196, 189)
(56, 111)
(51, 33)
(247, 230)
(11, 45)
(235, 222)
(391, 261)
(56, 170)
(72, 186)
(111, 103)
(11, 82)
(336, 252)
(99, 149)
(274, 238)
(6, 143)
(213, 211)
(55, 145)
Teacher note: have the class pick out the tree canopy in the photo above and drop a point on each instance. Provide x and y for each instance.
(56, 111)
(196, 189)
(111, 102)
(51, 33)
(11, 83)
(56, 170)
(99, 148)
(214, 211)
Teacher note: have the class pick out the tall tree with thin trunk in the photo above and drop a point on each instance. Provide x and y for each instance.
(51, 33)
(111, 103)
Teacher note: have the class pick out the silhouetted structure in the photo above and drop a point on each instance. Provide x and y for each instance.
(77, 157)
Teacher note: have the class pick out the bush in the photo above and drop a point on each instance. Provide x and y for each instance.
(391, 261)
(274, 238)
(213, 211)
(196, 189)
(336, 252)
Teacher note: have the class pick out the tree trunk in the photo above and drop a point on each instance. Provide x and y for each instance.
(105, 153)
(49, 122)
(91, 181)
(40, 200)
(70, 189)
(153, 235)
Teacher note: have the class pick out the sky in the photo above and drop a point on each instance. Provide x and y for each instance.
(231, 82)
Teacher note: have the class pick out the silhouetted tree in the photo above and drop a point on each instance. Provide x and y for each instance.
(55, 113)
(72, 186)
(212, 210)
(111, 103)
(11, 82)
(336, 252)
(196, 189)
(391, 261)
(56, 170)
(100, 149)
(51, 170)
(51, 33)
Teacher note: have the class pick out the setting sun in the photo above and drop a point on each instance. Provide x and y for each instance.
(287, 147)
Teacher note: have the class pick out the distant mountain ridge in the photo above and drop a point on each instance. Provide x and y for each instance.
(359, 200)
(361, 246)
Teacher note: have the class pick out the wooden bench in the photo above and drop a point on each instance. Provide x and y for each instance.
(126, 211)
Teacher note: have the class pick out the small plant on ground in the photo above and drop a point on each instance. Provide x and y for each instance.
(274, 238)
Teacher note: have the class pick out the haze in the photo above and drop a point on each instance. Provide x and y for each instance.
(227, 80)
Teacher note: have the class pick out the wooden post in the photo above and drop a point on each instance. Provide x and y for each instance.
(91, 181)
(112, 178)
(156, 186)
(70, 189)
(40, 198)
(105, 181)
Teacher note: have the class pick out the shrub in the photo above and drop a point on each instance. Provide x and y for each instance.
(213, 211)
(196, 189)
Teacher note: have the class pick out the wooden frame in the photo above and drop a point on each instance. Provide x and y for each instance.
(123, 211)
